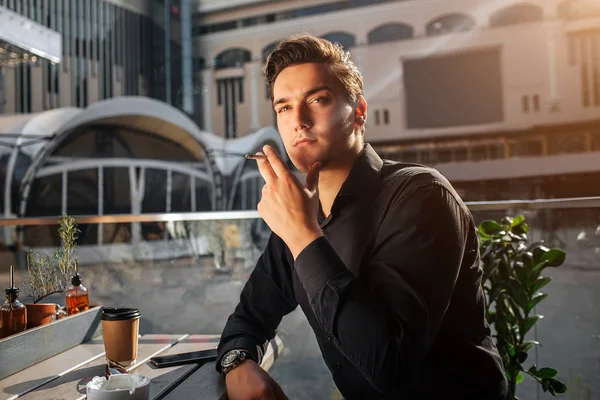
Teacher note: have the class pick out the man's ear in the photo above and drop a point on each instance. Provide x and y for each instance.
(360, 111)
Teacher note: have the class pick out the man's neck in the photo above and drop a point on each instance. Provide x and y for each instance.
(333, 177)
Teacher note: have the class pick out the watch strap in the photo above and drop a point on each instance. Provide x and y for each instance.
(241, 355)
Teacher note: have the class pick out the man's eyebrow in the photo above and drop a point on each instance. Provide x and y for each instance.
(308, 93)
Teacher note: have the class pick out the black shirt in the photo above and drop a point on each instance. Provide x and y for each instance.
(392, 290)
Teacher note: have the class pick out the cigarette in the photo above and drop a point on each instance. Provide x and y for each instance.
(255, 156)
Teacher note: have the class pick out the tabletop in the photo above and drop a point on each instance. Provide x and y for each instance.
(64, 376)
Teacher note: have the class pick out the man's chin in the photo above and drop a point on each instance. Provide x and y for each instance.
(302, 164)
(301, 167)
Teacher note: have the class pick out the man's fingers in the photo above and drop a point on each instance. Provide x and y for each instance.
(264, 167)
(312, 178)
(276, 162)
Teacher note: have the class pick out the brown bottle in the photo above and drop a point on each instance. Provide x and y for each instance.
(13, 314)
(78, 299)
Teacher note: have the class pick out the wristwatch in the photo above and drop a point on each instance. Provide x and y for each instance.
(233, 359)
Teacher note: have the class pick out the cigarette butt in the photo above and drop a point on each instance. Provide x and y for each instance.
(255, 156)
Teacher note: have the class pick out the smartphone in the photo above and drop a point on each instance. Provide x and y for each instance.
(194, 357)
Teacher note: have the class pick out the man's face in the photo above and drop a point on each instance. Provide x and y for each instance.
(314, 117)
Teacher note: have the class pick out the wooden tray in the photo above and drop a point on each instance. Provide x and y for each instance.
(27, 348)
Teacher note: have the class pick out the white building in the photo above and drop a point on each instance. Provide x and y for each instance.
(496, 94)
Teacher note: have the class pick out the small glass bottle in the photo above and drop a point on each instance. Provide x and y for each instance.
(78, 299)
(13, 313)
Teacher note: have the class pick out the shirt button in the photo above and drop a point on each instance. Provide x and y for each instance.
(328, 337)
(338, 365)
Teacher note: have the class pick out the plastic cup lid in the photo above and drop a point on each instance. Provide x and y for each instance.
(119, 314)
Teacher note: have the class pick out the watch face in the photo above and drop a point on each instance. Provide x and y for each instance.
(229, 358)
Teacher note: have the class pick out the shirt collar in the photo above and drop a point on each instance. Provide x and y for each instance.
(363, 178)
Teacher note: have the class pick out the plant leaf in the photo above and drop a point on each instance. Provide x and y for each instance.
(522, 229)
(540, 283)
(558, 386)
(547, 373)
(526, 346)
(519, 378)
(554, 258)
(545, 385)
(518, 220)
(532, 370)
(521, 357)
(536, 299)
(491, 228)
(538, 250)
(530, 322)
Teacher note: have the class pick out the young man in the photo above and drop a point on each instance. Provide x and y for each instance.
(381, 256)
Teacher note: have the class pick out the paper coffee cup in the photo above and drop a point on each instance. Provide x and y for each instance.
(120, 329)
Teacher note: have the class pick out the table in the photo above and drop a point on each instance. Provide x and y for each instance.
(64, 376)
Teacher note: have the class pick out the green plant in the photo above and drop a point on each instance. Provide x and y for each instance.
(43, 277)
(65, 255)
(50, 275)
(512, 278)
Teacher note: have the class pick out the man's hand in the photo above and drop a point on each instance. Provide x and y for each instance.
(250, 382)
(289, 208)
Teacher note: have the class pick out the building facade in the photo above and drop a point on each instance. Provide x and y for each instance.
(453, 84)
(110, 48)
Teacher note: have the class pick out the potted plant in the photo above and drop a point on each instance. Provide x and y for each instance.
(50, 275)
(512, 278)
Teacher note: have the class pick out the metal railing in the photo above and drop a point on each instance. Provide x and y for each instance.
(539, 204)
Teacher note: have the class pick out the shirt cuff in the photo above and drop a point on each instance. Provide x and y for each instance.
(317, 264)
(240, 342)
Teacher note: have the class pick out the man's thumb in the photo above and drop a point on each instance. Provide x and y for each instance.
(312, 178)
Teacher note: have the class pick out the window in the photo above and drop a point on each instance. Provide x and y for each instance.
(409, 156)
(516, 14)
(377, 121)
(573, 142)
(527, 147)
(584, 55)
(386, 117)
(595, 141)
(525, 104)
(536, 103)
(444, 155)
(450, 23)
(232, 58)
(497, 151)
(479, 152)
(461, 154)
(230, 93)
(346, 40)
(390, 33)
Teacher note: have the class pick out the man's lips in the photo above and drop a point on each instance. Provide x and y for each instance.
(304, 141)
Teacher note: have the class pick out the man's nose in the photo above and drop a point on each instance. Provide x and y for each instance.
(302, 119)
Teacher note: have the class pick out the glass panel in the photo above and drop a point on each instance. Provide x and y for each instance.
(155, 191)
(116, 192)
(199, 267)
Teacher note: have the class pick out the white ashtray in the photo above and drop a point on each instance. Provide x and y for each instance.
(119, 387)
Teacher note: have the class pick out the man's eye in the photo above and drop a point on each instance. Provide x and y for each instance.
(317, 100)
(282, 109)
